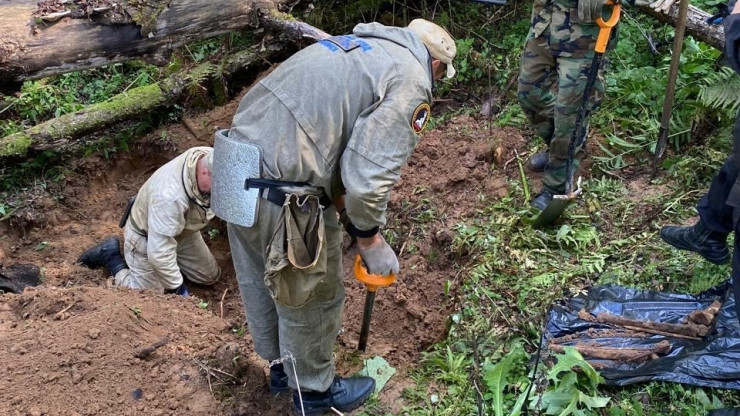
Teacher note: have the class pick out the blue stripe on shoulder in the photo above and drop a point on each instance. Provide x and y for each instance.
(332, 47)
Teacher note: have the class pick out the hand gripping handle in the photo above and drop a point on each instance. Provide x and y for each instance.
(372, 281)
(605, 27)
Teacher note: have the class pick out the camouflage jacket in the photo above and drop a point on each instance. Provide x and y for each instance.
(567, 34)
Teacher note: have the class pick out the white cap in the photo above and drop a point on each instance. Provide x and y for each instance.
(439, 43)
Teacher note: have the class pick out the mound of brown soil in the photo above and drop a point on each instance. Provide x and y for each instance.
(82, 359)
(74, 352)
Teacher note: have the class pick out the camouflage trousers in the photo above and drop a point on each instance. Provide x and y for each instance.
(550, 92)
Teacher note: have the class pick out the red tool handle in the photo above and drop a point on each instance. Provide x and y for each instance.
(372, 281)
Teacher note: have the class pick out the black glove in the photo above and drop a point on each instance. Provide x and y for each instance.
(722, 12)
(180, 290)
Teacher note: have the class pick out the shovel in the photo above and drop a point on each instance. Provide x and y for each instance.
(372, 283)
(665, 117)
(559, 203)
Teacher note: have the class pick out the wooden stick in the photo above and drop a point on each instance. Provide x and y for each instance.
(666, 334)
(144, 352)
(616, 354)
(222, 302)
(687, 329)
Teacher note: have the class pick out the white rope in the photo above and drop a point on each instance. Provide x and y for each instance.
(289, 357)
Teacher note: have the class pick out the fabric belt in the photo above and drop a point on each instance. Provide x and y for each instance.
(271, 192)
(135, 228)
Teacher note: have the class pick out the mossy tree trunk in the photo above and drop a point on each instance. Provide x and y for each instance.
(39, 39)
(696, 24)
(62, 133)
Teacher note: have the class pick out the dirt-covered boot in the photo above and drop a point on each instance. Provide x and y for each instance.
(278, 379)
(710, 244)
(537, 162)
(104, 254)
(344, 394)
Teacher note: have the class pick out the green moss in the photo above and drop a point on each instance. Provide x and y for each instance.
(276, 14)
(15, 144)
(146, 13)
(91, 118)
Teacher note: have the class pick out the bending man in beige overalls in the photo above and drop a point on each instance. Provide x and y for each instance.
(162, 240)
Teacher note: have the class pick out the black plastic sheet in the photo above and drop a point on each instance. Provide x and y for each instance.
(713, 361)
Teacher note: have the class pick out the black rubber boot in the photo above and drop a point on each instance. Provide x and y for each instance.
(697, 238)
(542, 199)
(537, 162)
(344, 394)
(104, 254)
(278, 380)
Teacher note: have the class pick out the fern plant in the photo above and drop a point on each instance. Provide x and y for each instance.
(721, 90)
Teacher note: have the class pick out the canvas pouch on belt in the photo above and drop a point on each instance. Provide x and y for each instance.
(296, 256)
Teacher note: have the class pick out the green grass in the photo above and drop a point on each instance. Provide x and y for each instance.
(516, 273)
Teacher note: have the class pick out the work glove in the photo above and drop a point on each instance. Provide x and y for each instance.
(380, 258)
(662, 5)
(590, 10)
(658, 5)
(180, 290)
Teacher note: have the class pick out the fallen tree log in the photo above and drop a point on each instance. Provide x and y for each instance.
(696, 24)
(38, 39)
(60, 133)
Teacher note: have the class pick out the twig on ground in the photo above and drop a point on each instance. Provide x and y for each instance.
(190, 127)
(144, 352)
(337, 411)
(59, 315)
(222, 303)
(208, 370)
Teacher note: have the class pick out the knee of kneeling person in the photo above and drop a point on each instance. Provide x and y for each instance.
(205, 277)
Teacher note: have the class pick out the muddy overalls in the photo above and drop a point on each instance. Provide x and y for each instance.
(338, 118)
(162, 239)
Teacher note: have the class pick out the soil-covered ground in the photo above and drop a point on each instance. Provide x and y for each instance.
(69, 346)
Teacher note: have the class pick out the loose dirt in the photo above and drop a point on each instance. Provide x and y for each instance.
(68, 346)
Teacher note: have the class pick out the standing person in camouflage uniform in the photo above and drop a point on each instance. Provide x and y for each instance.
(555, 64)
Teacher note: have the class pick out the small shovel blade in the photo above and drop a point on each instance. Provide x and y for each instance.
(556, 207)
(552, 211)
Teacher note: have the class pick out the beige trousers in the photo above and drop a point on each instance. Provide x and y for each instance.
(194, 258)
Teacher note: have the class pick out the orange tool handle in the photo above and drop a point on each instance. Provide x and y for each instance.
(605, 28)
(372, 281)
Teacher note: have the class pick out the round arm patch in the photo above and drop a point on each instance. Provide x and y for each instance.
(420, 118)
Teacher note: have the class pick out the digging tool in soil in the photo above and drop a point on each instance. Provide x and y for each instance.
(372, 282)
(665, 117)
